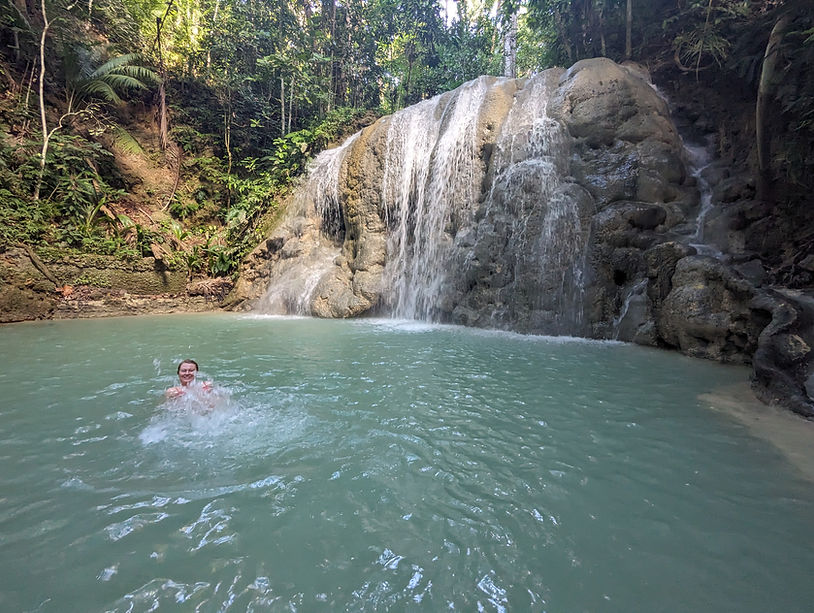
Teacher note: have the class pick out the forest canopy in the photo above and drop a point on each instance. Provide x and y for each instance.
(240, 93)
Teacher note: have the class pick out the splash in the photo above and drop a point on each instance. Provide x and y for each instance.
(202, 408)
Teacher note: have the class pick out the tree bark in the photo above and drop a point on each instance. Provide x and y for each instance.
(163, 122)
(163, 119)
(510, 47)
(282, 106)
(45, 136)
(767, 73)
(209, 50)
(290, 102)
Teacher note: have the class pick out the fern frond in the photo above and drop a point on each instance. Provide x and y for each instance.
(126, 142)
(114, 64)
(97, 87)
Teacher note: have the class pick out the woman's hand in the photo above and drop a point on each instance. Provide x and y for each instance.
(174, 392)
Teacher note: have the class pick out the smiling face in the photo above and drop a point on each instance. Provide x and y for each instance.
(186, 372)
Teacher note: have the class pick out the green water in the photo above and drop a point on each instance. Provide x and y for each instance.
(382, 466)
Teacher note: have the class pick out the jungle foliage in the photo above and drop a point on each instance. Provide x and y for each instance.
(243, 92)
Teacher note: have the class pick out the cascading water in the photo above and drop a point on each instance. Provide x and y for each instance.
(700, 159)
(431, 176)
(462, 208)
(290, 290)
(547, 234)
(445, 193)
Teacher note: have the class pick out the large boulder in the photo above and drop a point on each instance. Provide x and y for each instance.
(626, 145)
(707, 313)
(783, 362)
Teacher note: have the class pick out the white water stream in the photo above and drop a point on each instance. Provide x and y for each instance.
(431, 179)
(700, 158)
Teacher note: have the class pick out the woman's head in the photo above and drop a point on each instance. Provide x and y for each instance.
(186, 371)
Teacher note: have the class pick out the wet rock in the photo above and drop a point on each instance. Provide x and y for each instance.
(783, 367)
(752, 270)
(809, 386)
(807, 263)
(734, 189)
(707, 312)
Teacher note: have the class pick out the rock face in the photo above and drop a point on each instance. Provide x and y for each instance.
(477, 206)
(95, 286)
(562, 204)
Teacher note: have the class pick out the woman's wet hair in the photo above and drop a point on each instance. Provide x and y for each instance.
(187, 362)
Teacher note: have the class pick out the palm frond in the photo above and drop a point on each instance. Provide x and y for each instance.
(142, 73)
(120, 82)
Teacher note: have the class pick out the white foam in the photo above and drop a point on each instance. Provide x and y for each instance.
(415, 326)
(222, 426)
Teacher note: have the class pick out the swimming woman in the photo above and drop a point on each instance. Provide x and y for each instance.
(187, 371)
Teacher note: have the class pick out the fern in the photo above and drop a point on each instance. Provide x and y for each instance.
(126, 142)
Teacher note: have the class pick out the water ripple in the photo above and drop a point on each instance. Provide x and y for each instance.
(386, 467)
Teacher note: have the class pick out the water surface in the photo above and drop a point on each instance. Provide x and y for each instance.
(383, 466)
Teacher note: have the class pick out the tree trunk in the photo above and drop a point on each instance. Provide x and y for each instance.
(510, 47)
(45, 136)
(332, 85)
(762, 137)
(282, 106)
(16, 46)
(163, 121)
(290, 101)
(227, 141)
(209, 50)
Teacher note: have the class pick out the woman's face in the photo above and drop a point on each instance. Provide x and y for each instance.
(186, 374)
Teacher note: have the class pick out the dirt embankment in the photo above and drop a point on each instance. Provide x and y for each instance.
(53, 283)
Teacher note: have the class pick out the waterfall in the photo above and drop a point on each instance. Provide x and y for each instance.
(441, 249)
(548, 234)
(430, 180)
(315, 215)
(635, 294)
(700, 158)
(482, 224)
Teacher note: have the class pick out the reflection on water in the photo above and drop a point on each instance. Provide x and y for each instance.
(382, 466)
